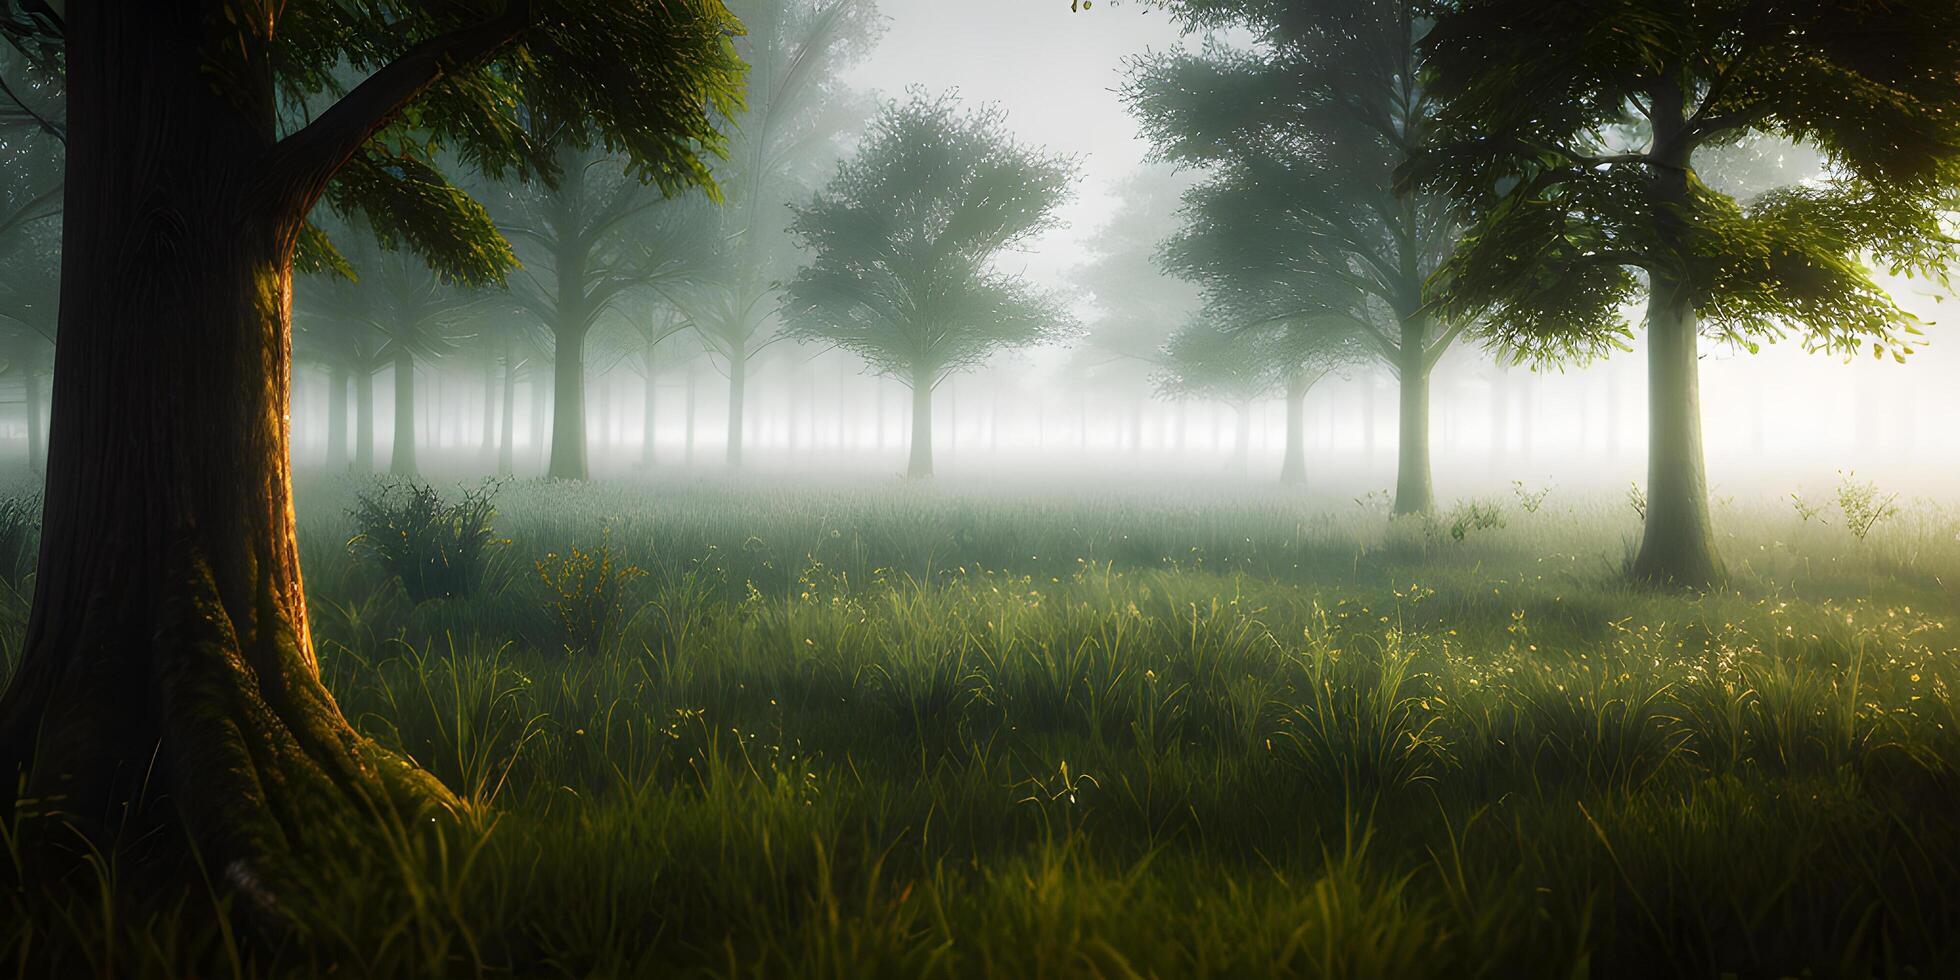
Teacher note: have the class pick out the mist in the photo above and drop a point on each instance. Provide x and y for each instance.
(1776, 421)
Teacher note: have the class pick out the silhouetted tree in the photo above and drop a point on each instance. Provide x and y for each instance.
(902, 247)
(1572, 133)
(588, 239)
(1300, 217)
(798, 114)
(1239, 364)
(397, 313)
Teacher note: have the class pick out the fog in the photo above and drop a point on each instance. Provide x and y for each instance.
(1775, 421)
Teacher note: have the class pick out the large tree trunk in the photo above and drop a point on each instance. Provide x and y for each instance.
(402, 460)
(167, 673)
(568, 407)
(1414, 493)
(337, 419)
(1678, 544)
(1293, 471)
(919, 466)
(1677, 547)
(738, 382)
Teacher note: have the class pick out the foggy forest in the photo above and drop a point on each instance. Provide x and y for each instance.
(1028, 488)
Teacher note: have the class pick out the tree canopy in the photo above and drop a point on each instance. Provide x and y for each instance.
(1299, 216)
(903, 243)
(1557, 121)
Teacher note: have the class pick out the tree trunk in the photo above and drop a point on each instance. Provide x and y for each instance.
(1678, 544)
(919, 467)
(1677, 547)
(402, 462)
(1414, 493)
(487, 444)
(337, 419)
(568, 407)
(507, 427)
(167, 674)
(738, 381)
(1293, 472)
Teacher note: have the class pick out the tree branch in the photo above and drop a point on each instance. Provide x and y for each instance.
(302, 163)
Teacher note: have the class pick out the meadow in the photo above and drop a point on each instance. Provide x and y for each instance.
(858, 730)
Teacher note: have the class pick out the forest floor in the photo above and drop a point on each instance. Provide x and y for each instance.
(900, 730)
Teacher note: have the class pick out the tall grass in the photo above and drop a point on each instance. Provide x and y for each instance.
(894, 732)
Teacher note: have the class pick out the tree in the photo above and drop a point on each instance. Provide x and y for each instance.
(167, 672)
(1138, 305)
(387, 309)
(589, 239)
(1238, 364)
(797, 114)
(1300, 217)
(1571, 134)
(903, 243)
(646, 339)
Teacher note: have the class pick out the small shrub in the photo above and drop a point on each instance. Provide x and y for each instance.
(587, 594)
(1375, 501)
(1863, 507)
(1474, 516)
(1807, 510)
(1528, 498)
(435, 548)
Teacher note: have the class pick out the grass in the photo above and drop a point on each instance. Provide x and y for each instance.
(901, 731)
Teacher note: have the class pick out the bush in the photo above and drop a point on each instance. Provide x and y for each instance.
(436, 549)
(587, 594)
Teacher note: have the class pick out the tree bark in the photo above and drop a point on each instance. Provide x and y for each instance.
(738, 379)
(1293, 471)
(919, 466)
(568, 407)
(337, 419)
(167, 674)
(402, 458)
(1414, 493)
